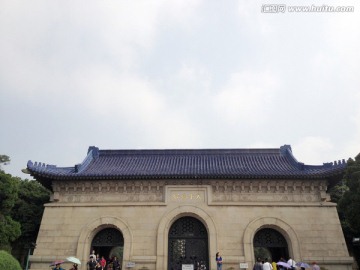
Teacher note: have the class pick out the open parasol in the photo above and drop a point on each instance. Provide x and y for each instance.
(56, 262)
(73, 260)
(302, 264)
(284, 264)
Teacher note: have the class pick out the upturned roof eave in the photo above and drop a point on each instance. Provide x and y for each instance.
(282, 165)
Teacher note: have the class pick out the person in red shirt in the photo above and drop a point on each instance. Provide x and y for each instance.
(103, 262)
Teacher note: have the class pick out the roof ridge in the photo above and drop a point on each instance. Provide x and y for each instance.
(190, 151)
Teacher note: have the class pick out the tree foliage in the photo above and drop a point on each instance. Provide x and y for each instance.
(347, 195)
(21, 209)
(7, 261)
(349, 204)
(9, 229)
(28, 211)
(4, 159)
(8, 192)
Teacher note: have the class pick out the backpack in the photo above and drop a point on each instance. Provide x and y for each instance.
(92, 264)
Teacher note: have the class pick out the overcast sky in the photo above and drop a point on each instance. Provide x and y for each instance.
(177, 74)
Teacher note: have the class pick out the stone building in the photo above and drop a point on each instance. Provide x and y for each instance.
(174, 209)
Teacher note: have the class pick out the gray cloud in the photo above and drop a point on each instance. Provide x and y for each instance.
(179, 74)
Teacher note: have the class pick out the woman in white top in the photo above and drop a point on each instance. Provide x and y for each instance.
(292, 263)
(267, 265)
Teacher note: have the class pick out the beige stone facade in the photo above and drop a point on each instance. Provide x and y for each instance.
(232, 211)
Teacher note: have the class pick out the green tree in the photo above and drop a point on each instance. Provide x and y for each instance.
(21, 209)
(349, 204)
(28, 211)
(9, 229)
(29, 208)
(7, 261)
(4, 159)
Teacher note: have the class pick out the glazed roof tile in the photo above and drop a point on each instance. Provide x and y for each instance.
(278, 163)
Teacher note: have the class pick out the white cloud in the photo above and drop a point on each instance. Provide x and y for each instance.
(261, 144)
(193, 73)
(250, 15)
(351, 146)
(164, 74)
(51, 42)
(246, 97)
(181, 12)
(131, 104)
(313, 150)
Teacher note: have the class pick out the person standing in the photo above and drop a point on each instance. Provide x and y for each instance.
(258, 265)
(315, 266)
(92, 254)
(103, 262)
(274, 265)
(292, 263)
(267, 265)
(91, 264)
(58, 267)
(74, 267)
(98, 266)
(116, 263)
(219, 261)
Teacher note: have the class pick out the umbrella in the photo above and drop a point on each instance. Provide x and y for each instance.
(56, 262)
(73, 260)
(302, 264)
(284, 264)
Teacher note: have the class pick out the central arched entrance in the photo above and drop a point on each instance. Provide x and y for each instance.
(270, 244)
(188, 244)
(109, 242)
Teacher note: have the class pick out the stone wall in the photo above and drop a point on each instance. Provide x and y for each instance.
(232, 212)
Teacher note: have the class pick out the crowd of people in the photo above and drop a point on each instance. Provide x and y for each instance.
(282, 264)
(58, 267)
(96, 262)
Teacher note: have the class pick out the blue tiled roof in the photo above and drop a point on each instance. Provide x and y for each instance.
(278, 163)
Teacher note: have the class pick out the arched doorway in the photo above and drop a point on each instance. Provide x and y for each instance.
(109, 242)
(271, 244)
(188, 244)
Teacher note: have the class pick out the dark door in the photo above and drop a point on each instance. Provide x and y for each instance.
(188, 244)
(109, 243)
(270, 244)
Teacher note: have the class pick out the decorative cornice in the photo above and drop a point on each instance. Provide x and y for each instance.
(221, 191)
